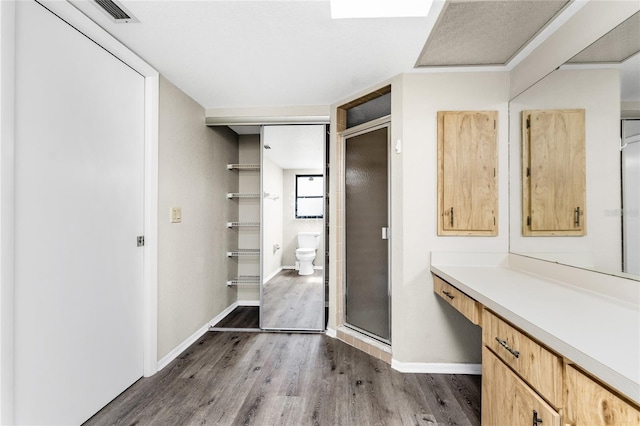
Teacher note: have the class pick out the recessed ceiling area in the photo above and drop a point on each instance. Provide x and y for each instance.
(485, 32)
(616, 46)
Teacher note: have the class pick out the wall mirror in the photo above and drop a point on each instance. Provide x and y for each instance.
(604, 80)
(293, 227)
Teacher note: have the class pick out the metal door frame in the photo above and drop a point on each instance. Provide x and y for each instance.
(359, 130)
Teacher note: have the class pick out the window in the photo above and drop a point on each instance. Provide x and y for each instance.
(309, 196)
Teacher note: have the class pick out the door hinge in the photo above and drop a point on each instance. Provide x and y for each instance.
(528, 172)
(528, 123)
(528, 220)
(140, 240)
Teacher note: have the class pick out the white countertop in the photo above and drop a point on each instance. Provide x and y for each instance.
(599, 333)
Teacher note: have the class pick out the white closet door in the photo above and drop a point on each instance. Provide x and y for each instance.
(79, 207)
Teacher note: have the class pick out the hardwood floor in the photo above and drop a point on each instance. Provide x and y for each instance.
(235, 378)
(292, 301)
(246, 317)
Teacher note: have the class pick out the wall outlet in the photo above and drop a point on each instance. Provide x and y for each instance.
(176, 214)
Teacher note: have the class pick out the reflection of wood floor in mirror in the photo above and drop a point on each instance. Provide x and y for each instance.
(292, 301)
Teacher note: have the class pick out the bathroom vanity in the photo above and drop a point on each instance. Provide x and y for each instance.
(556, 351)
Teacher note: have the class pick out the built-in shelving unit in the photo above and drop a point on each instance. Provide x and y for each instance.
(244, 253)
(243, 166)
(246, 227)
(231, 195)
(244, 280)
(243, 224)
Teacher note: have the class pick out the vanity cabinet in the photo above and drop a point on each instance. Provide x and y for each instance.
(553, 172)
(467, 173)
(508, 400)
(538, 366)
(525, 382)
(460, 301)
(590, 404)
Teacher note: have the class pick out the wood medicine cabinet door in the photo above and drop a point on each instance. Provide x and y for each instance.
(467, 173)
(553, 172)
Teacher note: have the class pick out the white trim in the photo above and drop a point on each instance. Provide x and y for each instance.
(248, 303)
(222, 315)
(166, 360)
(273, 274)
(331, 333)
(7, 161)
(436, 367)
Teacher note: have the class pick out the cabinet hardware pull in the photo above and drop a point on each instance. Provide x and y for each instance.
(451, 216)
(503, 343)
(577, 216)
(536, 420)
(449, 295)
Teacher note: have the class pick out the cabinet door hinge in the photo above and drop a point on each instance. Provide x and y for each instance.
(528, 172)
(140, 240)
(528, 220)
(528, 122)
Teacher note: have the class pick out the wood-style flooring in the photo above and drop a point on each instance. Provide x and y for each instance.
(292, 301)
(236, 378)
(244, 317)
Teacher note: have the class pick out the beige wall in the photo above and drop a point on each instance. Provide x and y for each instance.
(192, 265)
(424, 329)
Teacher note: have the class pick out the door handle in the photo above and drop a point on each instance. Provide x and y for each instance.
(385, 233)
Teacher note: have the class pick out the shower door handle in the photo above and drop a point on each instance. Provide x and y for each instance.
(385, 233)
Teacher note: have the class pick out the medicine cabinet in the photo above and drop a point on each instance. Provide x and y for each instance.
(467, 173)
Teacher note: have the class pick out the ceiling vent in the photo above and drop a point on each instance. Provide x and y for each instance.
(116, 11)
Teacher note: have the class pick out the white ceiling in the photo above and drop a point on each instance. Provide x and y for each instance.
(270, 53)
(228, 54)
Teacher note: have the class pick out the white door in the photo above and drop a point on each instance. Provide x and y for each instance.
(79, 207)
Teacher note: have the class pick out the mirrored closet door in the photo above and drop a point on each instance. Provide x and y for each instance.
(293, 227)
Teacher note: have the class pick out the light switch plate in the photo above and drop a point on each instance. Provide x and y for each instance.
(176, 214)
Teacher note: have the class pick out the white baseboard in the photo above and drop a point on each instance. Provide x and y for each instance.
(436, 368)
(273, 274)
(331, 333)
(201, 331)
(165, 360)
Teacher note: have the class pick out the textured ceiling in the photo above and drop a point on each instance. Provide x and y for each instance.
(617, 45)
(485, 32)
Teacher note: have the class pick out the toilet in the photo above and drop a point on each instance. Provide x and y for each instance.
(306, 252)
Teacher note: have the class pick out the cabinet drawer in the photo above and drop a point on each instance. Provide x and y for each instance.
(507, 400)
(590, 404)
(534, 363)
(460, 301)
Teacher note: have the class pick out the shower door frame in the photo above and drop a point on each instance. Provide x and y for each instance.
(359, 130)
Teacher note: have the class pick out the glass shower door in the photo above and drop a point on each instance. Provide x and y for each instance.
(366, 232)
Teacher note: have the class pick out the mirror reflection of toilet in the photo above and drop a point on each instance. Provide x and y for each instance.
(306, 252)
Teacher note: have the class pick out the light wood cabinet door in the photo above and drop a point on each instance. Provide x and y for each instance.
(507, 400)
(538, 366)
(467, 173)
(590, 404)
(553, 172)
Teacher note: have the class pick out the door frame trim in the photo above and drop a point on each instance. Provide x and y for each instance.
(102, 38)
(361, 129)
